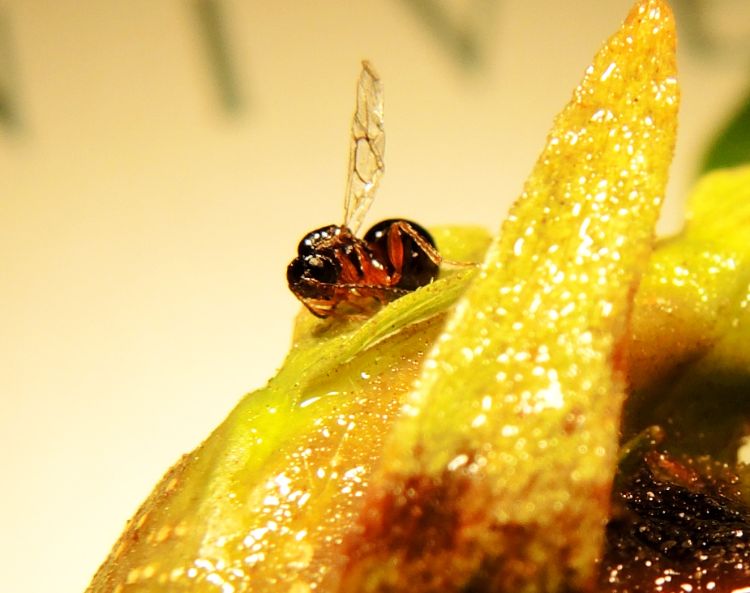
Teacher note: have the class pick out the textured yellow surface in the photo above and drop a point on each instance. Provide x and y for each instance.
(696, 284)
(143, 234)
(238, 516)
(689, 342)
(512, 429)
(265, 502)
(522, 393)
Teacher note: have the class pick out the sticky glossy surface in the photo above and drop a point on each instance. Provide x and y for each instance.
(278, 525)
(264, 503)
(696, 286)
(690, 336)
(498, 477)
(521, 396)
(677, 527)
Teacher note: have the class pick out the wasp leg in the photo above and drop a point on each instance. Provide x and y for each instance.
(429, 250)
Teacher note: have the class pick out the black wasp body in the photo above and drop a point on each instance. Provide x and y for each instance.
(337, 272)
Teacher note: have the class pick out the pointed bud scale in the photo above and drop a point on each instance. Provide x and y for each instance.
(497, 476)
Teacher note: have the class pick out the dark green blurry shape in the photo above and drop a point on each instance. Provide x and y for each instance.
(463, 40)
(211, 21)
(710, 29)
(9, 114)
(732, 145)
(692, 20)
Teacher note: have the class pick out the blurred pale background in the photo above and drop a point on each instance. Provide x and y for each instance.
(148, 210)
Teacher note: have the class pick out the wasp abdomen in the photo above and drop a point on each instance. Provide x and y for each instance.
(408, 250)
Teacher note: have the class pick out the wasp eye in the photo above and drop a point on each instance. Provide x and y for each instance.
(305, 274)
(321, 268)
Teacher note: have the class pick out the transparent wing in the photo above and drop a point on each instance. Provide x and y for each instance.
(367, 149)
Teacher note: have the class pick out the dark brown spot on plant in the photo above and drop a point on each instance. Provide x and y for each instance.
(677, 526)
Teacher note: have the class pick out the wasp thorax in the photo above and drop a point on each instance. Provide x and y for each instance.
(319, 238)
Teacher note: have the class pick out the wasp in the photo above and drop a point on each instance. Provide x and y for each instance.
(338, 273)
